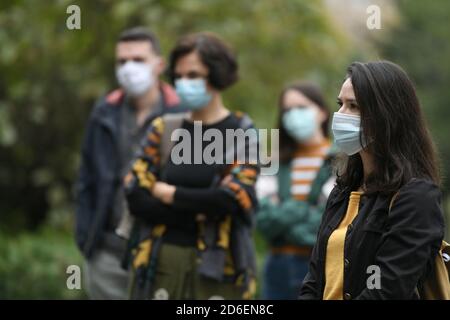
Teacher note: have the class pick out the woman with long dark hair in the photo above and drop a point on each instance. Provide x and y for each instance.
(383, 224)
(289, 220)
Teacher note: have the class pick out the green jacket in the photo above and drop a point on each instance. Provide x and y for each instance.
(291, 221)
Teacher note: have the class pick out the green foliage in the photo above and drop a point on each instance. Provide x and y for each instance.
(33, 265)
(420, 44)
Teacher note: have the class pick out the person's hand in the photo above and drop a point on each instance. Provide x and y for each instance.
(164, 192)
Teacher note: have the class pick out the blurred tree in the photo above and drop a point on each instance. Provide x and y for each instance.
(420, 44)
(51, 76)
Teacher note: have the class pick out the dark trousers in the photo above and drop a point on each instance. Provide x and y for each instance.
(283, 276)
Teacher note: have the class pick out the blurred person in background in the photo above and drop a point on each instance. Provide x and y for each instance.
(384, 214)
(116, 125)
(198, 243)
(290, 213)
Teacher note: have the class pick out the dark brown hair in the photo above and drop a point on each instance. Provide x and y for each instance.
(214, 53)
(391, 118)
(288, 146)
(140, 34)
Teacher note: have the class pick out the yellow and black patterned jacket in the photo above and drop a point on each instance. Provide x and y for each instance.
(224, 193)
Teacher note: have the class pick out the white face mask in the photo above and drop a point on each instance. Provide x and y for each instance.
(135, 77)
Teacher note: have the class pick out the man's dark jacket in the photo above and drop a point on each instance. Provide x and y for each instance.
(99, 175)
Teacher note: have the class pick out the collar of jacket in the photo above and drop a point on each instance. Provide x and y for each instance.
(116, 99)
(169, 95)
(338, 195)
(378, 201)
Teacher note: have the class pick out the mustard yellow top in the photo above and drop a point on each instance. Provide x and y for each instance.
(334, 261)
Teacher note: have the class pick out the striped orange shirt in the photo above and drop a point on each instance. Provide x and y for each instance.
(306, 163)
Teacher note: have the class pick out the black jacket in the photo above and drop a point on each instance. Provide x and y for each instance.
(402, 243)
(99, 175)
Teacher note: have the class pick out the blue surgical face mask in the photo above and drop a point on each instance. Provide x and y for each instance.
(346, 130)
(300, 123)
(193, 93)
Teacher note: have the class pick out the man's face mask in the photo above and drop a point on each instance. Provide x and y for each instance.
(136, 78)
(346, 130)
(300, 123)
(193, 93)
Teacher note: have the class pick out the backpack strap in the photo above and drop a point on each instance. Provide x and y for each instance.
(171, 122)
(392, 200)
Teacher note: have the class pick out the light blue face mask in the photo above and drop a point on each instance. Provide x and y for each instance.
(346, 130)
(300, 123)
(193, 93)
